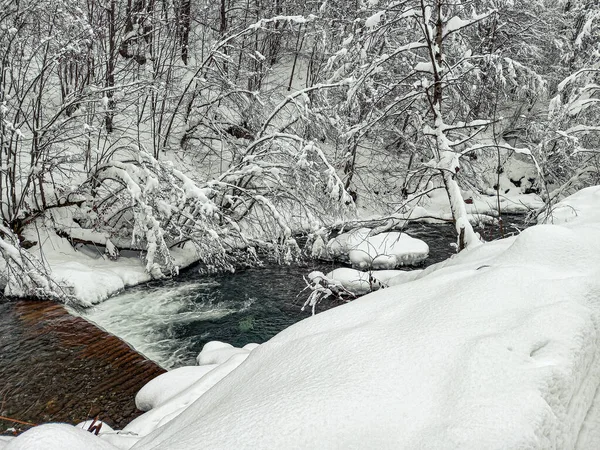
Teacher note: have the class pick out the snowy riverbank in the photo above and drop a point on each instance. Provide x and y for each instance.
(497, 347)
(92, 275)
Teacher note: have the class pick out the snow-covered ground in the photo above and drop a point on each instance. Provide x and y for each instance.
(497, 347)
(89, 271)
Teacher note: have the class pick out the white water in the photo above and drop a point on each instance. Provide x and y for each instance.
(146, 318)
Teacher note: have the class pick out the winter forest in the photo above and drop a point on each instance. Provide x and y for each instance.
(142, 137)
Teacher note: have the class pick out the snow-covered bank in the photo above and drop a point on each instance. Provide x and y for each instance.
(90, 272)
(497, 347)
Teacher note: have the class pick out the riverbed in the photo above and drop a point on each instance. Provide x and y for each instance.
(169, 321)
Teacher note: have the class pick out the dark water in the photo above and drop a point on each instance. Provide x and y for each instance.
(170, 321)
(58, 367)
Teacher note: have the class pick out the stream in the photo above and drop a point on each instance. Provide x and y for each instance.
(55, 366)
(169, 321)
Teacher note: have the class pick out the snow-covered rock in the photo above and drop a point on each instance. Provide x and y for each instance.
(382, 251)
(216, 352)
(359, 282)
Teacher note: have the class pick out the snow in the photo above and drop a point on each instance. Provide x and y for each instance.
(494, 348)
(382, 251)
(216, 352)
(497, 347)
(579, 208)
(167, 385)
(170, 409)
(424, 67)
(93, 276)
(374, 20)
(56, 436)
(359, 282)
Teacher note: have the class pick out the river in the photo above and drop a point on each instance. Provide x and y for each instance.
(55, 366)
(169, 321)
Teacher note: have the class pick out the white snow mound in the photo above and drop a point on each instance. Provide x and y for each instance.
(58, 436)
(382, 251)
(359, 282)
(216, 352)
(581, 207)
(165, 386)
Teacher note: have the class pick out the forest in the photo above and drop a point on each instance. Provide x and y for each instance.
(234, 126)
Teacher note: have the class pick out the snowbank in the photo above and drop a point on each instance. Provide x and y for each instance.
(498, 347)
(169, 384)
(583, 207)
(480, 208)
(92, 275)
(54, 436)
(382, 251)
(495, 348)
(166, 402)
(4, 440)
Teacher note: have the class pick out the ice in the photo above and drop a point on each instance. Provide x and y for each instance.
(382, 251)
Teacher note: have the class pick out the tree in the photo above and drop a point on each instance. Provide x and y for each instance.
(420, 70)
(91, 130)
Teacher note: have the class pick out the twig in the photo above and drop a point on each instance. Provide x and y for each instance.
(8, 419)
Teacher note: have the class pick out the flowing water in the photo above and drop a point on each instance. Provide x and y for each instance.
(169, 321)
(55, 366)
(58, 367)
